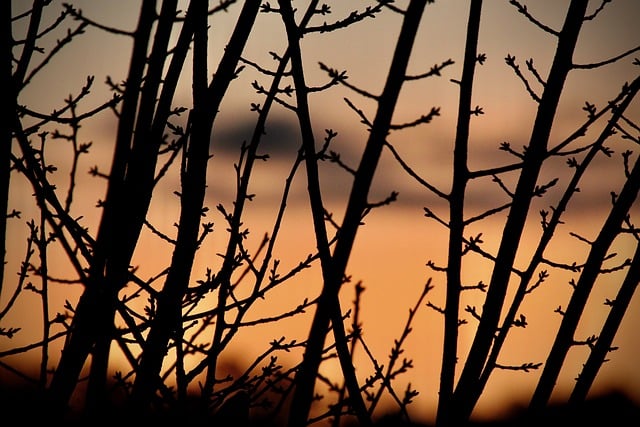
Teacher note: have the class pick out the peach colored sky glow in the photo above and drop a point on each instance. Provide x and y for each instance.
(397, 241)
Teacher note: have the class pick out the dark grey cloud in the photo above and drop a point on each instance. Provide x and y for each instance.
(281, 136)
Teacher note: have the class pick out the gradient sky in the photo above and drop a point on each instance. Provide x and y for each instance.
(392, 249)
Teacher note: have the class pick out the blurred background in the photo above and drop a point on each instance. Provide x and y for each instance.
(397, 241)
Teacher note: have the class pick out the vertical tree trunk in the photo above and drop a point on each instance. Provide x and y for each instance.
(564, 339)
(12, 85)
(318, 212)
(82, 333)
(206, 103)
(602, 346)
(526, 277)
(456, 216)
(306, 374)
(468, 383)
(9, 107)
(223, 278)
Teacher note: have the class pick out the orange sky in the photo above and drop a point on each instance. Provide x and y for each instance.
(396, 242)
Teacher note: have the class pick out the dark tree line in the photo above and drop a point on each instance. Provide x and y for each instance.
(175, 329)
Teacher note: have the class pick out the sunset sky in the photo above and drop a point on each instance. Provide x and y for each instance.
(392, 249)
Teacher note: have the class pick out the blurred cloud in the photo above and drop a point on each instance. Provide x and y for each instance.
(281, 136)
